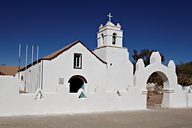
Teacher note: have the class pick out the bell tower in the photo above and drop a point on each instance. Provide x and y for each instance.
(110, 49)
(109, 34)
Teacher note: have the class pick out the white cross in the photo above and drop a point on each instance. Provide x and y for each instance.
(110, 16)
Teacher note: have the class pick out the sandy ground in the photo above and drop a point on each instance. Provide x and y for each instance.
(154, 100)
(152, 118)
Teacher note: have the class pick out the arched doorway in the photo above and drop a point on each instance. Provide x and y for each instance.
(155, 86)
(167, 73)
(76, 82)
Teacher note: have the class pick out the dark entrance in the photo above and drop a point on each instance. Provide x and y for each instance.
(76, 82)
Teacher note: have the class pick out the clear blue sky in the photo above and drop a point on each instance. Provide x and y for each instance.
(164, 25)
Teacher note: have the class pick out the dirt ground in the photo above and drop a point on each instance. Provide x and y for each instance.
(154, 100)
(152, 118)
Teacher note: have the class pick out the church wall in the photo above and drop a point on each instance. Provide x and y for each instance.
(31, 78)
(93, 70)
(101, 52)
(120, 69)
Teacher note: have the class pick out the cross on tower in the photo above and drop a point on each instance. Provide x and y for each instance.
(110, 16)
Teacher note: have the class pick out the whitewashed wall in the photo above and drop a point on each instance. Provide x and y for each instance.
(173, 95)
(93, 70)
(9, 86)
(65, 103)
(120, 69)
(31, 78)
(189, 96)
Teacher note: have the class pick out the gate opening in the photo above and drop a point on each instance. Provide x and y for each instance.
(155, 85)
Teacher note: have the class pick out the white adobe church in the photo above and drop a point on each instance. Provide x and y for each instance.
(75, 79)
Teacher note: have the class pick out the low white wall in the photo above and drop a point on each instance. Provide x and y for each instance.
(9, 87)
(188, 91)
(62, 102)
(177, 99)
(189, 103)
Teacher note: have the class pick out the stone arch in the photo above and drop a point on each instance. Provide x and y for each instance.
(167, 73)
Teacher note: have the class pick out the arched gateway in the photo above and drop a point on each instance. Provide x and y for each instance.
(167, 73)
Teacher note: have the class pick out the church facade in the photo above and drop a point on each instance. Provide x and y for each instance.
(75, 79)
(106, 68)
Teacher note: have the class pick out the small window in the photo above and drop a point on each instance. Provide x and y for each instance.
(61, 81)
(102, 37)
(22, 78)
(77, 61)
(114, 38)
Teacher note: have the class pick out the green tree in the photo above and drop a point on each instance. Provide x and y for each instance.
(145, 55)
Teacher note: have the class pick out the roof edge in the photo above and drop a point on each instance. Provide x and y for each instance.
(58, 52)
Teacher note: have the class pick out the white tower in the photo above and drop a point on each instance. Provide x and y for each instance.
(110, 49)
(110, 34)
